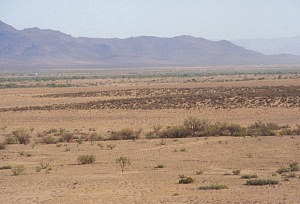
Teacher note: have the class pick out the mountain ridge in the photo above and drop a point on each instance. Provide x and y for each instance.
(45, 48)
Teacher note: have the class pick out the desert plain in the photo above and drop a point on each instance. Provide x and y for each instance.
(100, 106)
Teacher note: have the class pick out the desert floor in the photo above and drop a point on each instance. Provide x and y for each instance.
(141, 182)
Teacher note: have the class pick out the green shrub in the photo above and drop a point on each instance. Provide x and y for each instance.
(175, 132)
(282, 170)
(212, 187)
(123, 162)
(126, 134)
(5, 167)
(186, 180)
(236, 172)
(38, 168)
(67, 137)
(249, 176)
(259, 182)
(111, 146)
(17, 170)
(11, 140)
(261, 129)
(21, 136)
(286, 131)
(181, 176)
(49, 140)
(294, 166)
(86, 159)
(196, 126)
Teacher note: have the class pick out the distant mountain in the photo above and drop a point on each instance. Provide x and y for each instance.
(272, 46)
(37, 48)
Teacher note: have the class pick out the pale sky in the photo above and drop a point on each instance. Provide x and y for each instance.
(211, 19)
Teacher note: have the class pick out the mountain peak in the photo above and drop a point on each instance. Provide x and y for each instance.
(5, 27)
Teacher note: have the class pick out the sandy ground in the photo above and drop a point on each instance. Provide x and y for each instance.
(141, 182)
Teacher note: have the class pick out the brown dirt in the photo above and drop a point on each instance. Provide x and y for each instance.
(113, 107)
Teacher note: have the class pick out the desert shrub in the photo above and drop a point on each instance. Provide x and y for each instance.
(126, 134)
(96, 137)
(154, 133)
(52, 130)
(44, 164)
(5, 167)
(67, 137)
(196, 126)
(297, 130)
(17, 170)
(86, 159)
(123, 162)
(182, 149)
(11, 140)
(282, 170)
(186, 180)
(259, 182)
(290, 175)
(175, 132)
(236, 172)
(181, 176)
(249, 176)
(201, 171)
(286, 131)
(261, 129)
(294, 166)
(212, 187)
(21, 136)
(2, 145)
(49, 140)
(79, 140)
(38, 168)
(111, 146)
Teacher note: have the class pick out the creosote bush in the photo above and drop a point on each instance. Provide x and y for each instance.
(212, 187)
(126, 134)
(86, 159)
(186, 180)
(21, 136)
(236, 172)
(123, 162)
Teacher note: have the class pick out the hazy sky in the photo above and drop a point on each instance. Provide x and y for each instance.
(211, 19)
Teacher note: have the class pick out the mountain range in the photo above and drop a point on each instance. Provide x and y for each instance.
(289, 45)
(44, 48)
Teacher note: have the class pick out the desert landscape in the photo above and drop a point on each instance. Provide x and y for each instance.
(182, 137)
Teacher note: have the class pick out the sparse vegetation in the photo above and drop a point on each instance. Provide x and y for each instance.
(5, 167)
(249, 176)
(126, 134)
(236, 172)
(212, 187)
(22, 136)
(123, 162)
(86, 159)
(186, 180)
(17, 170)
(259, 182)
(201, 171)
